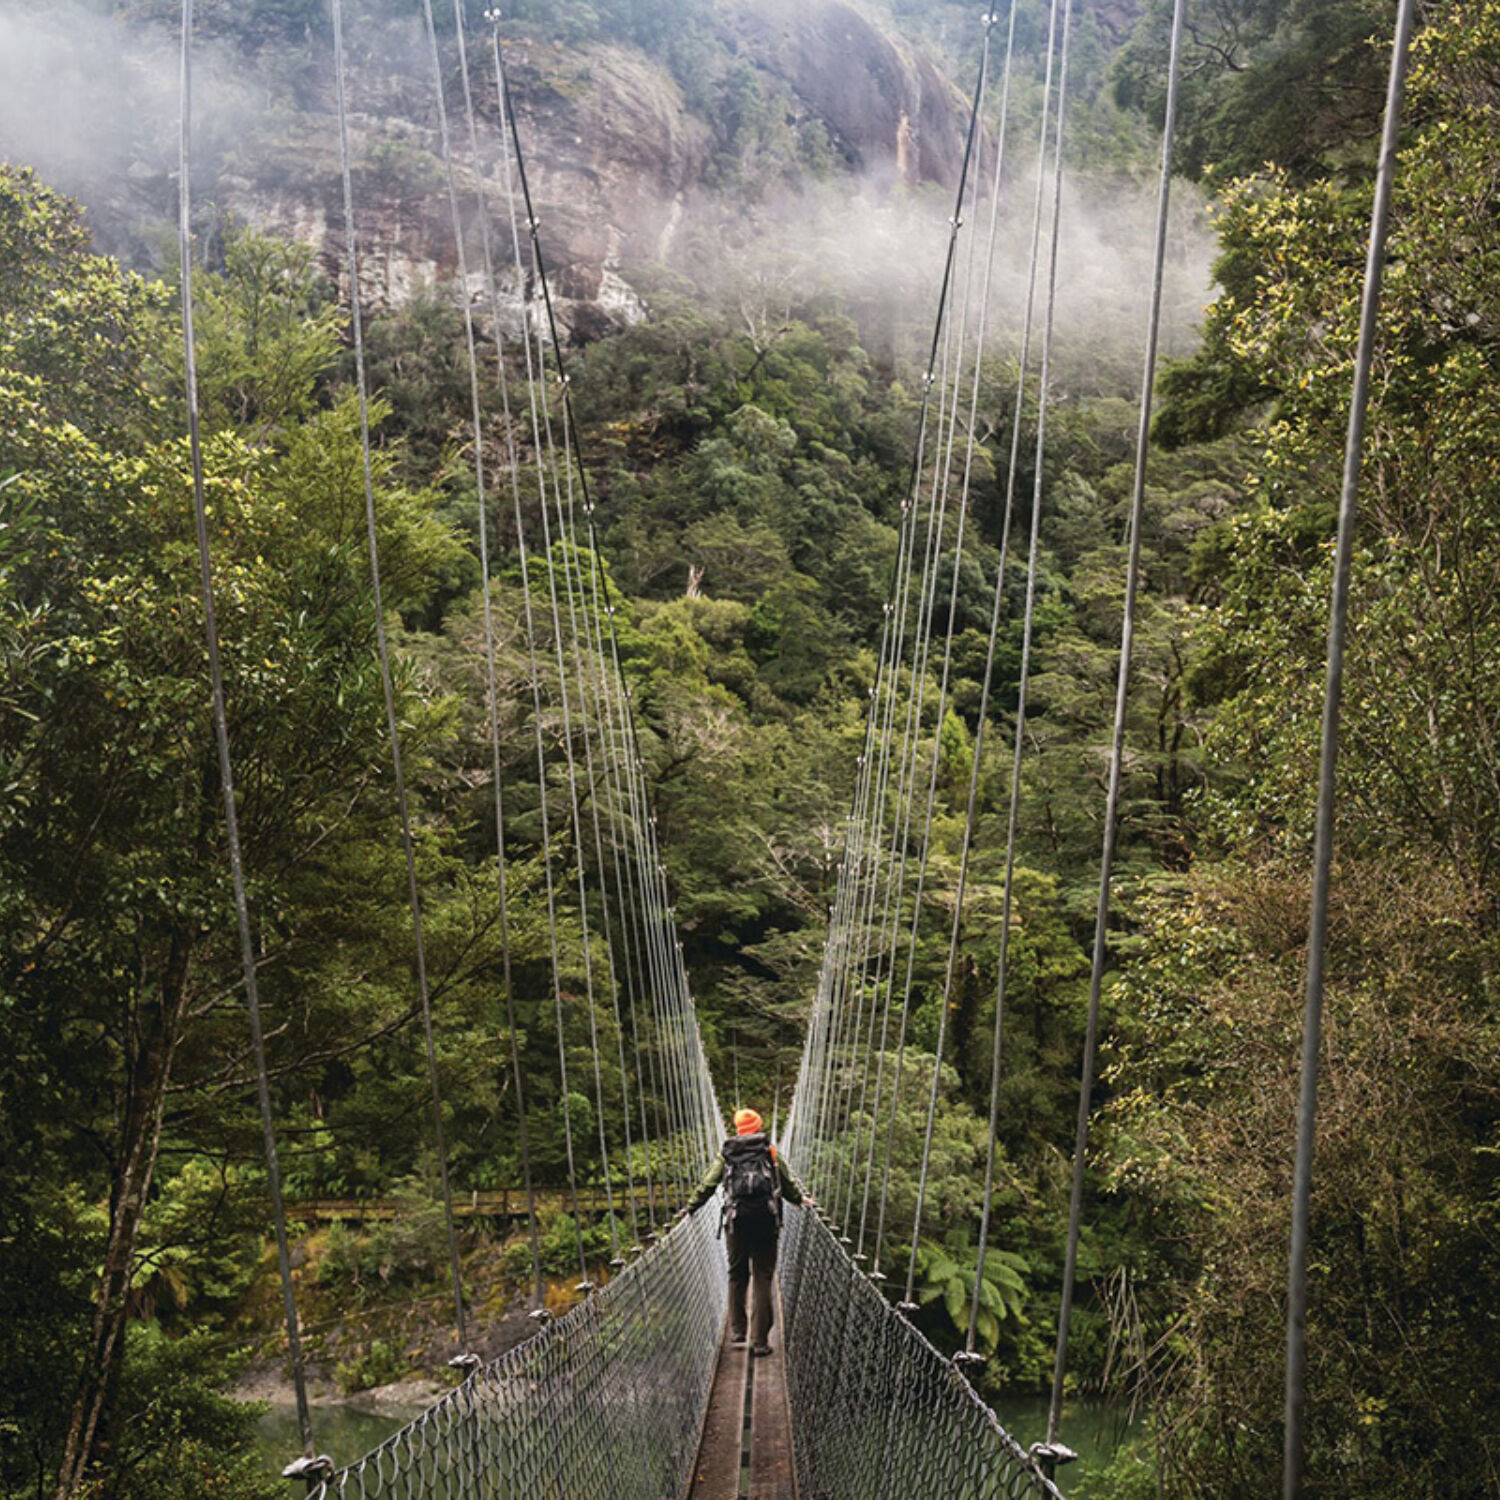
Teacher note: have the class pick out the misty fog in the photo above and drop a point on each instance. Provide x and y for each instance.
(90, 101)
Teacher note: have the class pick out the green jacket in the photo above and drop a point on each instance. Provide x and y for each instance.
(715, 1175)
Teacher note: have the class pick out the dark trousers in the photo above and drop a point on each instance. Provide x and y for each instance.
(752, 1256)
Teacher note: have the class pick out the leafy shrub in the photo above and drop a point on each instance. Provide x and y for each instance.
(560, 1244)
(378, 1363)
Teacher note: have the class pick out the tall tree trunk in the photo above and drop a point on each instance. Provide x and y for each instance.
(148, 1070)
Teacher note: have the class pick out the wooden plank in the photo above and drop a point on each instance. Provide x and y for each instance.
(716, 1475)
(773, 1472)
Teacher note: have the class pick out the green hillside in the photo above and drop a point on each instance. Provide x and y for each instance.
(748, 440)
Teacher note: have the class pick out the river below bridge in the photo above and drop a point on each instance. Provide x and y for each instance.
(1093, 1427)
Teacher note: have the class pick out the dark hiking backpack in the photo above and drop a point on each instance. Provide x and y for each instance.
(752, 1188)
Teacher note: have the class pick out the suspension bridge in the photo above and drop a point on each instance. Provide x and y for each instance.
(634, 1391)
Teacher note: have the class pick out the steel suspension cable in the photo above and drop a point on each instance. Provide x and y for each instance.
(487, 611)
(701, 1126)
(221, 739)
(942, 473)
(1000, 576)
(387, 683)
(924, 846)
(544, 813)
(1117, 740)
(850, 942)
(822, 1137)
(591, 650)
(941, 329)
(554, 554)
(970, 444)
(913, 928)
(612, 750)
(649, 944)
(616, 751)
(1317, 938)
(543, 799)
(546, 458)
(1060, 62)
(838, 948)
(587, 650)
(868, 832)
(1018, 748)
(997, 606)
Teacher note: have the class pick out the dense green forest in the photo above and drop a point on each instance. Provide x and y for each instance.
(749, 460)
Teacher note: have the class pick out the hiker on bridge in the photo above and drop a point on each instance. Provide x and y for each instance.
(755, 1181)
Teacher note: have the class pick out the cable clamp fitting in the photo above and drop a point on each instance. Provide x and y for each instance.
(1049, 1457)
(907, 1309)
(966, 1357)
(468, 1363)
(310, 1470)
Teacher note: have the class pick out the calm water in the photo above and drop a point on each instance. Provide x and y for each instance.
(342, 1431)
(1092, 1428)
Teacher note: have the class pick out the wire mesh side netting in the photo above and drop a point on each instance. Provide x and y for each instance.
(876, 1411)
(607, 1401)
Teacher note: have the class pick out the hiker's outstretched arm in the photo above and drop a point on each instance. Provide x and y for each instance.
(705, 1189)
(789, 1189)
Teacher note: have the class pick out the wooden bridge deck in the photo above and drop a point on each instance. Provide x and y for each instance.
(746, 1451)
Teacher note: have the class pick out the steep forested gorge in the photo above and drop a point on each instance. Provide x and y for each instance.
(747, 413)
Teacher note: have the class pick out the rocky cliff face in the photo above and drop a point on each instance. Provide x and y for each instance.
(887, 109)
(622, 154)
(618, 155)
